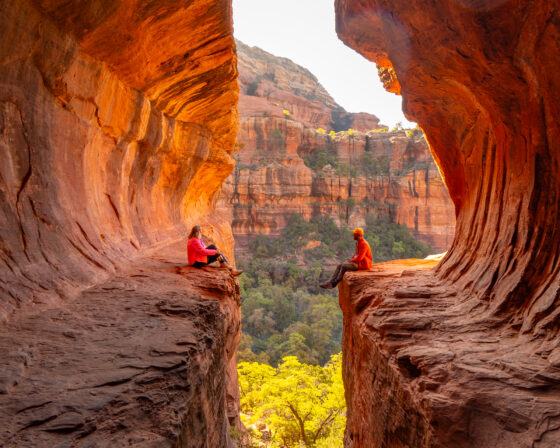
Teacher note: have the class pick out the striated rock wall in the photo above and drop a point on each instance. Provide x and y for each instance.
(474, 351)
(423, 368)
(95, 169)
(145, 359)
(271, 181)
(117, 121)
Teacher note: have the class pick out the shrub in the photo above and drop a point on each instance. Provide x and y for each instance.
(320, 158)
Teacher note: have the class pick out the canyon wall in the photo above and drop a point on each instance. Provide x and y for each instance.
(270, 85)
(465, 354)
(117, 121)
(272, 180)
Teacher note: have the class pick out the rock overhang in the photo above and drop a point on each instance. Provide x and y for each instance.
(476, 78)
(118, 120)
(479, 78)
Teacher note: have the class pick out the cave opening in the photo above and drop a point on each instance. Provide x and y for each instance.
(117, 135)
(307, 173)
(490, 128)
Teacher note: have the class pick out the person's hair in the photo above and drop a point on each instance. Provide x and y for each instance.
(195, 232)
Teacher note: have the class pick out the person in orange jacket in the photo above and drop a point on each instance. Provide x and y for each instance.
(361, 261)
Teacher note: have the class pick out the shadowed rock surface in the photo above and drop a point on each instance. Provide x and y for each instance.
(117, 120)
(145, 359)
(466, 354)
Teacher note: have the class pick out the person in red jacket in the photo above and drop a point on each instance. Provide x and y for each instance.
(361, 261)
(200, 255)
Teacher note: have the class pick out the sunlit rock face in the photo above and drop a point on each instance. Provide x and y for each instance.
(271, 180)
(473, 352)
(103, 157)
(117, 120)
(270, 85)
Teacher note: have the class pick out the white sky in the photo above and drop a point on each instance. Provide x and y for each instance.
(304, 31)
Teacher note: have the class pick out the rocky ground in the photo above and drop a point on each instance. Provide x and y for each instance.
(423, 367)
(146, 358)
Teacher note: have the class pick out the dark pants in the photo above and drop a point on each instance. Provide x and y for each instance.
(341, 269)
(210, 258)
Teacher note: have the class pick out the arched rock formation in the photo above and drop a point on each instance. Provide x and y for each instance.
(481, 79)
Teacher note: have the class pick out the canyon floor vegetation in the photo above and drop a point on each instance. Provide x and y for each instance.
(292, 329)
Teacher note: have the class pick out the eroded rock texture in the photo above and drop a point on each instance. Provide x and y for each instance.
(117, 120)
(102, 158)
(145, 359)
(271, 180)
(466, 354)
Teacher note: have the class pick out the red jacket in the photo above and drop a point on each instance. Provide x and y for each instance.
(363, 255)
(197, 252)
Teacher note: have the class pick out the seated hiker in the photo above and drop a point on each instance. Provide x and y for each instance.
(361, 261)
(200, 256)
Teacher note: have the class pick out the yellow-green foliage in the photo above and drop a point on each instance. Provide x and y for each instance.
(383, 129)
(321, 131)
(286, 112)
(302, 405)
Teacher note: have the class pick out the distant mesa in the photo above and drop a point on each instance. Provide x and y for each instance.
(320, 159)
(269, 85)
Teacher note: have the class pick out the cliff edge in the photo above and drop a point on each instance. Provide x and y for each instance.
(117, 121)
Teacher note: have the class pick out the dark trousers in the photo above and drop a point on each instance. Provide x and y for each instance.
(341, 269)
(211, 258)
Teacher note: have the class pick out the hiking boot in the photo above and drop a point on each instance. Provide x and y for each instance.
(327, 285)
(235, 273)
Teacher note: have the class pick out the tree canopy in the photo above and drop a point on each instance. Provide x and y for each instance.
(301, 404)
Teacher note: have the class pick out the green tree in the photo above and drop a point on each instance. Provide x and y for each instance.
(284, 310)
(398, 249)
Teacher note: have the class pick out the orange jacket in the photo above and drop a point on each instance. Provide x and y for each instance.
(363, 255)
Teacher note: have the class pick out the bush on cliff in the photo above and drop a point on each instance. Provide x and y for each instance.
(372, 165)
(320, 158)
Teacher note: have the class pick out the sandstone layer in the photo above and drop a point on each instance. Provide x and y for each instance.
(96, 169)
(145, 359)
(271, 180)
(480, 79)
(117, 121)
(424, 368)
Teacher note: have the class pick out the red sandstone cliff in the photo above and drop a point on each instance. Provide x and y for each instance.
(466, 354)
(269, 85)
(116, 128)
(271, 179)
